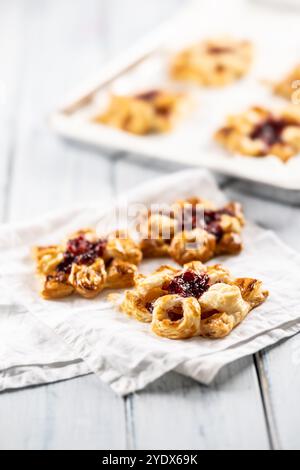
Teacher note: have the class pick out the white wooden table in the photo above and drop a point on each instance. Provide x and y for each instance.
(45, 49)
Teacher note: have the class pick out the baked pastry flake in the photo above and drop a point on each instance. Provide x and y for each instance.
(196, 301)
(120, 274)
(155, 111)
(286, 87)
(88, 280)
(120, 246)
(56, 286)
(194, 245)
(259, 133)
(214, 62)
(139, 303)
(175, 317)
(86, 264)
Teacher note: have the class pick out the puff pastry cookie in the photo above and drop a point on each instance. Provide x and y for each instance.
(285, 88)
(259, 132)
(193, 230)
(196, 301)
(214, 62)
(85, 264)
(155, 111)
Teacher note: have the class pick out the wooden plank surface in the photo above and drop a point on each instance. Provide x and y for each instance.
(77, 414)
(177, 413)
(58, 175)
(48, 174)
(47, 48)
(11, 62)
(279, 366)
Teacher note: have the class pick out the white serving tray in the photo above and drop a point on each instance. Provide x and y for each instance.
(276, 35)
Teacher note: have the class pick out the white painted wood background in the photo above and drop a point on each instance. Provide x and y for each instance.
(46, 48)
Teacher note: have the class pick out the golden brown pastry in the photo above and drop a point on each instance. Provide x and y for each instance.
(48, 258)
(211, 231)
(86, 264)
(288, 85)
(139, 303)
(175, 317)
(251, 290)
(223, 308)
(214, 62)
(197, 301)
(155, 111)
(56, 286)
(88, 280)
(259, 132)
(121, 247)
(195, 245)
(120, 275)
(155, 248)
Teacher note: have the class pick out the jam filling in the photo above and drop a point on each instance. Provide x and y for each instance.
(189, 284)
(81, 251)
(270, 131)
(148, 96)
(218, 50)
(206, 315)
(192, 218)
(175, 315)
(163, 110)
(212, 221)
(150, 306)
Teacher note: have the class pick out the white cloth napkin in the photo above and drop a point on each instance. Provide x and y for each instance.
(123, 352)
(31, 354)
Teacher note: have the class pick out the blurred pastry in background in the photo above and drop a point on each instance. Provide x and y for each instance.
(260, 132)
(287, 86)
(151, 112)
(214, 62)
(193, 230)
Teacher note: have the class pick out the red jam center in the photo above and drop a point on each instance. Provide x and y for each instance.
(218, 50)
(175, 315)
(189, 284)
(81, 251)
(212, 221)
(148, 96)
(150, 307)
(192, 218)
(206, 315)
(161, 109)
(270, 131)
